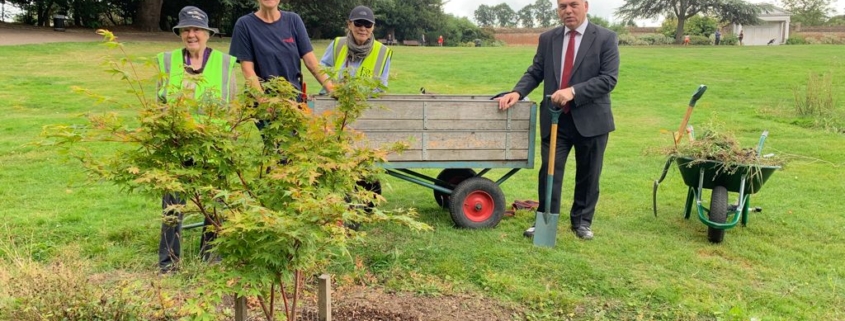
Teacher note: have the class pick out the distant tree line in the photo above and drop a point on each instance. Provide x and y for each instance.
(542, 14)
(539, 14)
(404, 19)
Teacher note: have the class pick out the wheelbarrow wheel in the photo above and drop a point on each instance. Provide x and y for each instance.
(452, 176)
(718, 213)
(477, 203)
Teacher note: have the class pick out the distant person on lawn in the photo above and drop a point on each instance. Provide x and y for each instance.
(208, 72)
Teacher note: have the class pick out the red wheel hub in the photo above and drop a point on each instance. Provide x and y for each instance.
(478, 206)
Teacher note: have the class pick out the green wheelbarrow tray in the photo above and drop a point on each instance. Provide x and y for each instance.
(721, 178)
(731, 177)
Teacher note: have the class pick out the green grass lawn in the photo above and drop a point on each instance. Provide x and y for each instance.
(787, 264)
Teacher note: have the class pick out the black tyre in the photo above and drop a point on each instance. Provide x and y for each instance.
(452, 176)
(372, 187)
(477, 203)
(718, 213)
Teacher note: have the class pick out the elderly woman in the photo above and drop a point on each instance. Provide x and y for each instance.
(359, 52)
(185, 68)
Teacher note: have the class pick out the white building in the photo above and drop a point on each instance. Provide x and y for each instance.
(774, 29)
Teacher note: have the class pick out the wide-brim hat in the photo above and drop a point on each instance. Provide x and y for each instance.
(191, 16)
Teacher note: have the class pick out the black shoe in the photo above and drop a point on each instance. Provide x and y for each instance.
(529, 232)
(355, 226)
(167, 270)
(583, 233)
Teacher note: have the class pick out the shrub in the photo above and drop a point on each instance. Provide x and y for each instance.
(281, 200)
(656, 39)
(815, 105)
(65, 290)
(796, 40)
(631, 40)
(700, 41)
(493, 43)
(699, 25)
(816, 99)
(829, 39)
(729, 40)
(667, 28)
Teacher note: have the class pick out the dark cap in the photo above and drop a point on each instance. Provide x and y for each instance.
(191, 16)
(362, 13)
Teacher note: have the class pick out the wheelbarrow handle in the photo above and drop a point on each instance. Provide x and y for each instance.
(658, 181)
(762, 140)
(698, 93)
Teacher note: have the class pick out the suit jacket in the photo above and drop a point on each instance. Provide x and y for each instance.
(594, 74)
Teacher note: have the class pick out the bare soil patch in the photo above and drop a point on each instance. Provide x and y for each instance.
(360, 303)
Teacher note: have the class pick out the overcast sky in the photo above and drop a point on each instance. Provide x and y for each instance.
(601, 8)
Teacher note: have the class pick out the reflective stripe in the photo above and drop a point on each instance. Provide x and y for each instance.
(224, 87)
(339, 43)
(164, 67)
(217, 72)
(372, 66)
(380, 62)
(167, 56)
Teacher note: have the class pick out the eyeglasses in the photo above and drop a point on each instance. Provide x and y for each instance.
(363, 23)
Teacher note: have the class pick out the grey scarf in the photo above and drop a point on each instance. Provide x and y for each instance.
(357, 52)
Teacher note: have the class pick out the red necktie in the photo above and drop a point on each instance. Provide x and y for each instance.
(568, 60)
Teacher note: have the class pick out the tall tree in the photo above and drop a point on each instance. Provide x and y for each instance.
(836, 21)
(410, 18)
(149, 14)
(598, 21)
(505, 16)
(325, 18)
(728, 11)
(484, 16)
(544, 13)
(808, 12)
(526, 16)
(36, 12)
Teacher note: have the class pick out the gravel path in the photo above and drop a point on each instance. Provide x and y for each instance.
(12, 34)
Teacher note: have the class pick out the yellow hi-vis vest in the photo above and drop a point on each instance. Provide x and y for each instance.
(373, 64)
(216, 77)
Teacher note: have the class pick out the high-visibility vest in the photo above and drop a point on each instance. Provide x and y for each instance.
(216, 77)
(373, 64)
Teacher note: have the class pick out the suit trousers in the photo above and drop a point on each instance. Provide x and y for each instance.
(589, 156)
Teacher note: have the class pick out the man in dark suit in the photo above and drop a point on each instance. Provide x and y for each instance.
(583, 92)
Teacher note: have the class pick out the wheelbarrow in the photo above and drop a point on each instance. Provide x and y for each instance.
(720, 178)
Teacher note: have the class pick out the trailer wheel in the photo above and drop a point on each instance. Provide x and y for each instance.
(718, 213)
(477, 203)
(453, 176)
